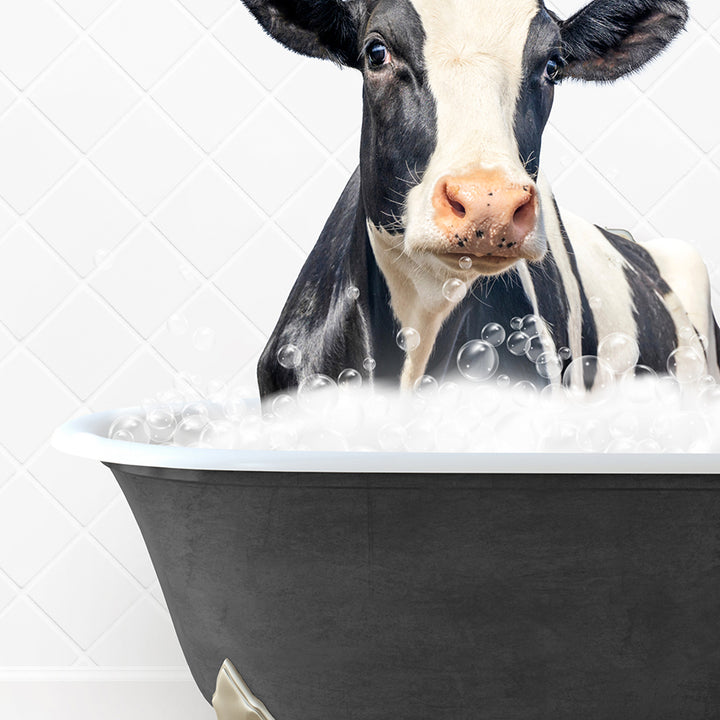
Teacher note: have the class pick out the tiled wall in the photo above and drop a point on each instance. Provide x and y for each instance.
(165, 158)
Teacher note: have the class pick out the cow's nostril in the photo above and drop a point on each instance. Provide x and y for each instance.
(524, 217)
(457, 207)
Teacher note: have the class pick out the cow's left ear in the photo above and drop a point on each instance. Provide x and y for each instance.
(319, 28)
(611, 38)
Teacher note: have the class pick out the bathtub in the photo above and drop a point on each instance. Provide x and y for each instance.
(374, 586)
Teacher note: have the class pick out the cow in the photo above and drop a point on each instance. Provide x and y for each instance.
(455, 99)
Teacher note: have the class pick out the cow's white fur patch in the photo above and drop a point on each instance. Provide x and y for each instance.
(474, 60)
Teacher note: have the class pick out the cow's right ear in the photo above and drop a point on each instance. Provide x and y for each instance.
(611, 38)
(319, 28)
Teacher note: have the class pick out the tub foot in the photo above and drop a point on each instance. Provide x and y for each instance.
(233, 700)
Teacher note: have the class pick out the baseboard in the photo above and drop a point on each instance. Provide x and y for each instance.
(89, 694)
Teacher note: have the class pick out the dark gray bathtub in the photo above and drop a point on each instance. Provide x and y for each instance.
(386, 594)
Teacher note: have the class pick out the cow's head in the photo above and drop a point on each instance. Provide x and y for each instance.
(456, 96)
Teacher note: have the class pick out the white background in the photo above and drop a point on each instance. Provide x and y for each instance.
(163, 157)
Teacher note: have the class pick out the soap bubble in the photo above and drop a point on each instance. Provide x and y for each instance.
(619, 351)
(680, 431)
(189, 429)
(518, 343)
(195, 408)
(502, 381)
(454, 290)
(177, 324)
(131, 428)
(161, 424)
(171, 397)
(369, 364)
(282, 436)
(317, 393)
(595, 302)
(477, 360)
(392, 437)
(523, 393)
(283, 405)
(465, 262)
(549, 365)
(588, 372)
(516, 323)
(204, 339)
(221, 434)
(289, 356)
(352, 293)
(494, 334)
(349, 378)
(535, 348)
(686, 365)
(532, 325)
(565, 353)
(408, 339)
(560, 436)
(426, 386)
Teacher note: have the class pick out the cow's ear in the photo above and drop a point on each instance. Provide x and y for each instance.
(611, 38)
(319, 28)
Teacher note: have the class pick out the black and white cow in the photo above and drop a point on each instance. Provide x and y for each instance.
(456, 96)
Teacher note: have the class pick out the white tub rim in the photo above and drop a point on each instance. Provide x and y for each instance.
(85, 436)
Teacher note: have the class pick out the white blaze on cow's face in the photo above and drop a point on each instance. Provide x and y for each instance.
(476, 197)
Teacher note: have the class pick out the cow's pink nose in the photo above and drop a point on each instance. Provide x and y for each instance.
(484, 213)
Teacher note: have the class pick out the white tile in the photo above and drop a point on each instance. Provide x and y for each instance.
(246, 379)
(144, 376)
(8, 218)
(270, 157)
(698, 117)
(7, 342)
(235, 339)
(146, 37)
(582, 111)
(28, 638)
(84, 11)
(33, 530)
(331, 123)
(84, 94)
(144, 282)
(32, 281)
(7, 593)
(84, 591)
(8, 95)
(349, 154)
(556, 154)
(32, 34)
(119, 534)
(83, 217)
(706, 12)
(207, 94)
(687, 210)
(265, 58)
(585, 192)
(208, 11)
(259, 290)
(83, 487)
(644, 156)
(34, 155)
(84, 343)
(304, 216)
(145, 157)
(209, 219)
(8, 468)
(34, 404)
(145, 637)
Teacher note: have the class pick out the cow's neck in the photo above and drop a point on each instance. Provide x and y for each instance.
(417, 294)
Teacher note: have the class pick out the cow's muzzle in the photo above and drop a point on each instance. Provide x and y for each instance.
(485, 214)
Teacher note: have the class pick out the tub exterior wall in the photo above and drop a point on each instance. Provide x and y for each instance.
(130, 135)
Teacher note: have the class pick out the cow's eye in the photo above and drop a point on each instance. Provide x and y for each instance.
(553, 70)
(377, 54)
